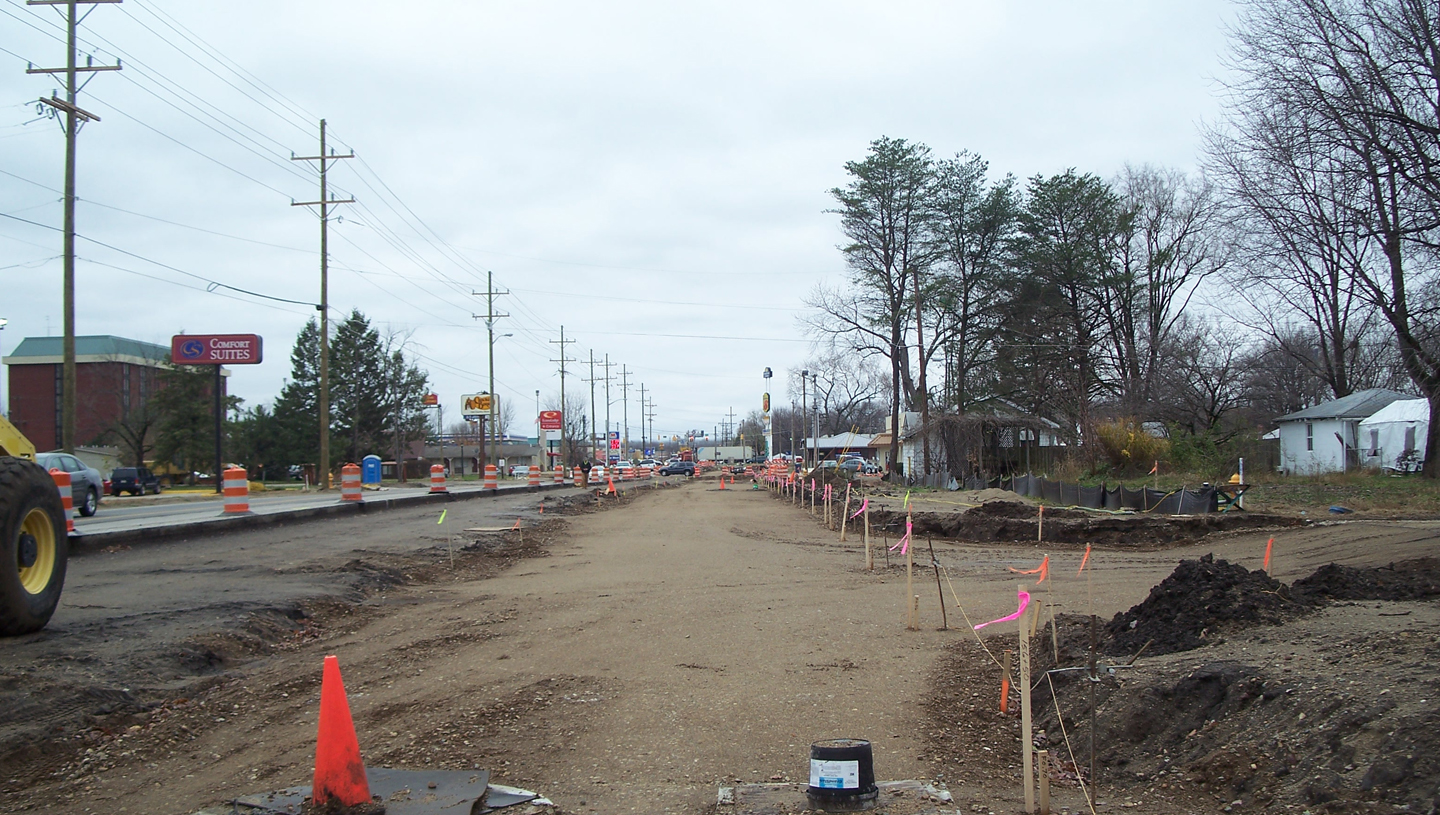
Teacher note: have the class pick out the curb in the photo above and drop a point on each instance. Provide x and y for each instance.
(84, 543)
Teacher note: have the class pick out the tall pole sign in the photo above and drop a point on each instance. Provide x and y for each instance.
(217, 350)
(765, 412)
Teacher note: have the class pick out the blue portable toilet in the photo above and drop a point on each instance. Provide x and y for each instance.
(370, 470)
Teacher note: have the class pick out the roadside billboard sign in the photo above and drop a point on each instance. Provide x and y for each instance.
(551, 419)
(430, 400)
(475, 405)
(216, 349)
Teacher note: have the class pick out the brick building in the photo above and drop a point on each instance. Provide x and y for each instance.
(113, 376)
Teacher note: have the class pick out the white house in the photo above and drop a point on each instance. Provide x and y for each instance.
(1326, 438)
(1394, 437)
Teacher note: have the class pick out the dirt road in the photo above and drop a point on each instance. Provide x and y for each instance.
(629, 660)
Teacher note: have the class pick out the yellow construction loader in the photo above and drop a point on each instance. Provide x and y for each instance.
(33, 542)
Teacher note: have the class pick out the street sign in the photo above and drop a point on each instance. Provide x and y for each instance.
(215, 349)
(551, 420)
(430, 400)
(475, 405)
(614, 434)
(765, 403)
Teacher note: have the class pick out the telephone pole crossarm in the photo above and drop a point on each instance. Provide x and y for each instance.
(62, 105)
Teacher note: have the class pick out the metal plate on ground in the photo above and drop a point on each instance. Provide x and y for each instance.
(404, 792)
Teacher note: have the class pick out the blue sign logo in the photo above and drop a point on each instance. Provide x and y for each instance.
(192, 349)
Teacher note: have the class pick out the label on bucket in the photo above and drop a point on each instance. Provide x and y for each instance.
(834, 775)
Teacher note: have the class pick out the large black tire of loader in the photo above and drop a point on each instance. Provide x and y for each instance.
(33, 546)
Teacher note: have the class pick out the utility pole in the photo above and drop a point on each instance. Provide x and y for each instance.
(591, 380)
(730, 428)
(805, 414)
(322, 474)
(625, 408)
(564, 406)
(490, 318)
(650, 414)
(608, 365)
(74, 118)
(643, 444)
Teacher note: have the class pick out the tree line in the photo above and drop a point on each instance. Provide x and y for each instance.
(1298, 265)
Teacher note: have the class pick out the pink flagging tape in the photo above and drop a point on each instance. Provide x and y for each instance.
(1024, 597)
(904, 543)
(863, 506)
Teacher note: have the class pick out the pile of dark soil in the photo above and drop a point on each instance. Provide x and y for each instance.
(1320, 714)
(1409, 580)
(1200, 599)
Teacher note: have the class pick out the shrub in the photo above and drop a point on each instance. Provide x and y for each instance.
(1129, 447)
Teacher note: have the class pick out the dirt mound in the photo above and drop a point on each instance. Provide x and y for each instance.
(1408, 580)
(1199, 600)
(1009, 521)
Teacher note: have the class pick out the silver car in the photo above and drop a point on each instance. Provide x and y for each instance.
(86, 483)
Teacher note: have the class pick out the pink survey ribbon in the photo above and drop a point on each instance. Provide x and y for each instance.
(904, 543)
(827, 491)
(1024, 601)
(812, 485)
(863, 505)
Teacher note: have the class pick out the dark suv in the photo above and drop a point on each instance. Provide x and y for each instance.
(678, 468)
(134, 480)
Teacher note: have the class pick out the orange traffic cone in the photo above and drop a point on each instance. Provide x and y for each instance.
(722, 482)
(339, 772)
(610, 490)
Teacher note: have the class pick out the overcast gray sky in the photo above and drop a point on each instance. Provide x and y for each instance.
(651, 175)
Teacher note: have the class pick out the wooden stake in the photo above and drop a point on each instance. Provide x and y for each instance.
(869, 555)
(845, 515)
(1027, 763)
(944, 617)
(913, 615)
(1040, 525)
(1043, 765)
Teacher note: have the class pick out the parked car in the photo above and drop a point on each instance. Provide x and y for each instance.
(852, 465)
(134, 480)
(871, 468)
(678, 468)
(86, 483)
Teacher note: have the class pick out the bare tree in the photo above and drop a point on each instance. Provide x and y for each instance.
(1169, 245)
(1360, 82)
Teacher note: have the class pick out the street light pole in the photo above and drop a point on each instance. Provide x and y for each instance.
(804, 415)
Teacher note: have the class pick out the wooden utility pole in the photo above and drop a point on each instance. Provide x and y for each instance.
(625, 409)
(322, 474)
(564, 406)
(74, 118)
(643, 444)
(490, 318)
(607, 365)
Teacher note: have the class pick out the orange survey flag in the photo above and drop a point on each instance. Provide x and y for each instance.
(1043, 570)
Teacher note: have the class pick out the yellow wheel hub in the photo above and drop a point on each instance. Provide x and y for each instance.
(37, 548)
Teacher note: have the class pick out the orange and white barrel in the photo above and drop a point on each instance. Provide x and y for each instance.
(62, 482)
(492, 477)
(534, 476)
(350, 483)
(597, 474)
(437, 479)
(237, 491)
(579, 477)
(645, 471)
(559, 476)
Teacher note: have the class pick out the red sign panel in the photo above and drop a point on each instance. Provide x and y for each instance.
(550, 420)
(215, 349)
(430, 400)
(614, 444)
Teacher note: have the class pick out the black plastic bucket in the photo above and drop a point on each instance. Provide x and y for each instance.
(842, 775)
